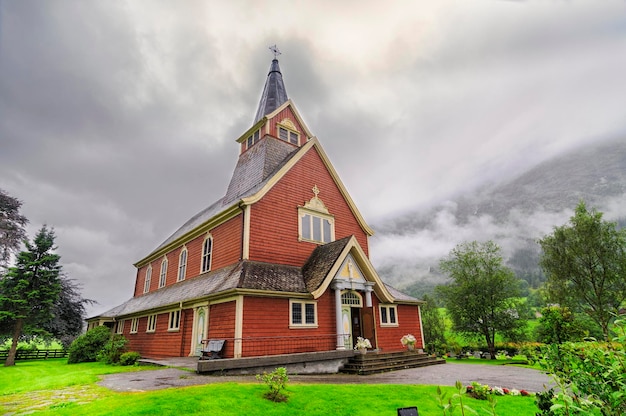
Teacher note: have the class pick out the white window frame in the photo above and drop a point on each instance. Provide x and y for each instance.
(148, 279)
(134, 325)
(182, 265)
(287, 134)
(387, 315)
(151, 323)
(253, 138)
(207, 256)
(302, 217)
(174, 321)
(303, 307)
(163, 274)
(119, 327)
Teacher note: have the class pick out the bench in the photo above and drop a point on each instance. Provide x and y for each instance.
(213, 349)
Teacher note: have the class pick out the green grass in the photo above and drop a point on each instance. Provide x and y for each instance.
(51, 387)
(33, 375)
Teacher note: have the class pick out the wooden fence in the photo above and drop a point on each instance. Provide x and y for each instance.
(34, 354)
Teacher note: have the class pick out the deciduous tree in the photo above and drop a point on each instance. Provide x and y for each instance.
(434, 325)
(482, 297)
(585, 262)
(29, 290)
(11, 226)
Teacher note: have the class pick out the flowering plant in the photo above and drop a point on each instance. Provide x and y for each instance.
(408, 339)
(362, 343)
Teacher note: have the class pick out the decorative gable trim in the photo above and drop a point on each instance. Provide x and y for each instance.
(313, 143)
(353, 253)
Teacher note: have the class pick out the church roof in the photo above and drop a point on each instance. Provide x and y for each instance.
(246, 276)
(274, 93)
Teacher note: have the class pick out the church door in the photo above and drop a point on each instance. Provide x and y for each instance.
(367, 324)
(199, 331)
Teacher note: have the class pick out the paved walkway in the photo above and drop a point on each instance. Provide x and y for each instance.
(508, 376)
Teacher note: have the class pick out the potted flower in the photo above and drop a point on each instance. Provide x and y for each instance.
(408, 341)
(362, 344)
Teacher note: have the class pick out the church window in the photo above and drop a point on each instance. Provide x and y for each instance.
(174, 323)
(146, 283)
(388, 315)
(207, 248)
(316, 228)
(152, 320)
(182, 264)
(288, 135)
(315, 224)
(253, 138)
(163, 275)
(134, 325)
(120, 327)
(352, 299)
(303, 314)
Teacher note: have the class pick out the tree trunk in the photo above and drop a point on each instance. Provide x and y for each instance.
(17, 333)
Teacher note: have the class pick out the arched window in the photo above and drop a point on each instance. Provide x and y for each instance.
(146, 283)
(182, 264)
(207, 248)
(352, 299)
(163, 275)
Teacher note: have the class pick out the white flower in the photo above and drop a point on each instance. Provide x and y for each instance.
(498, 391)
(362, 343)
(408, 339)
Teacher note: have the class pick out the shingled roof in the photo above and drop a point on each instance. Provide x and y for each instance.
(321, 261)
(274, 92)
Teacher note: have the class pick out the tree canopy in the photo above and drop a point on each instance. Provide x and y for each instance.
(585, 262)
(482, 297)
(11, 226)
(30, 289)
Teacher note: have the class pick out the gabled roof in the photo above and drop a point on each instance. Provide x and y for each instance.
(258, 170)
(324, 257)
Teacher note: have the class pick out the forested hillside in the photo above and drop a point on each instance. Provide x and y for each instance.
(514, 214)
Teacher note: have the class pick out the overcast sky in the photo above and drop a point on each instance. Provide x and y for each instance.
(118, 119)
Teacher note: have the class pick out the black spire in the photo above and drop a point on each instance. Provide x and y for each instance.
(274, 93)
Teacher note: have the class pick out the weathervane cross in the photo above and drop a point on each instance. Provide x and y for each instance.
(275, 51)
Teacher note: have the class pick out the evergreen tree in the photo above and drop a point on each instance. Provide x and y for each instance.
(30, 289)
(11, 226)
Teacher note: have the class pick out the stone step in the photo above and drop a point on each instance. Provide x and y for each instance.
(372, 363)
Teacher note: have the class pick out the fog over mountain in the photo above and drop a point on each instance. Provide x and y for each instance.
(514, 213)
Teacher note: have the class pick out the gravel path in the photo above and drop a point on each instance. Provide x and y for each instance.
(508, 376)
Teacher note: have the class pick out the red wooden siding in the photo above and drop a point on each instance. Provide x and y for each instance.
(161, 343)
(227, 247)
(274, 219)
(222, 325)
(408, 323)
(266, 328)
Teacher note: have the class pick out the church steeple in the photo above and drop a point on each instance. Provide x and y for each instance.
(274, 92)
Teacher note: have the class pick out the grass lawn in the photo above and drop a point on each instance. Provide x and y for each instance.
(53, 387)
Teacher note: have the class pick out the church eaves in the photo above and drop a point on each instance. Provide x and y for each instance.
(274, 93)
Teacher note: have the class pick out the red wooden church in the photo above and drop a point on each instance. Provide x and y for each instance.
(278, 265)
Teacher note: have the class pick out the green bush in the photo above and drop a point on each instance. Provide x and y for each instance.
(591, 375)
(129, 358)
(86, 347)
(112, 350)
(275, 381)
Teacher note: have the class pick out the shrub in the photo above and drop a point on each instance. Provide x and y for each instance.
(276, 381)
(129, 358)
(112, 350)
(592, 375)
(86, 347)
